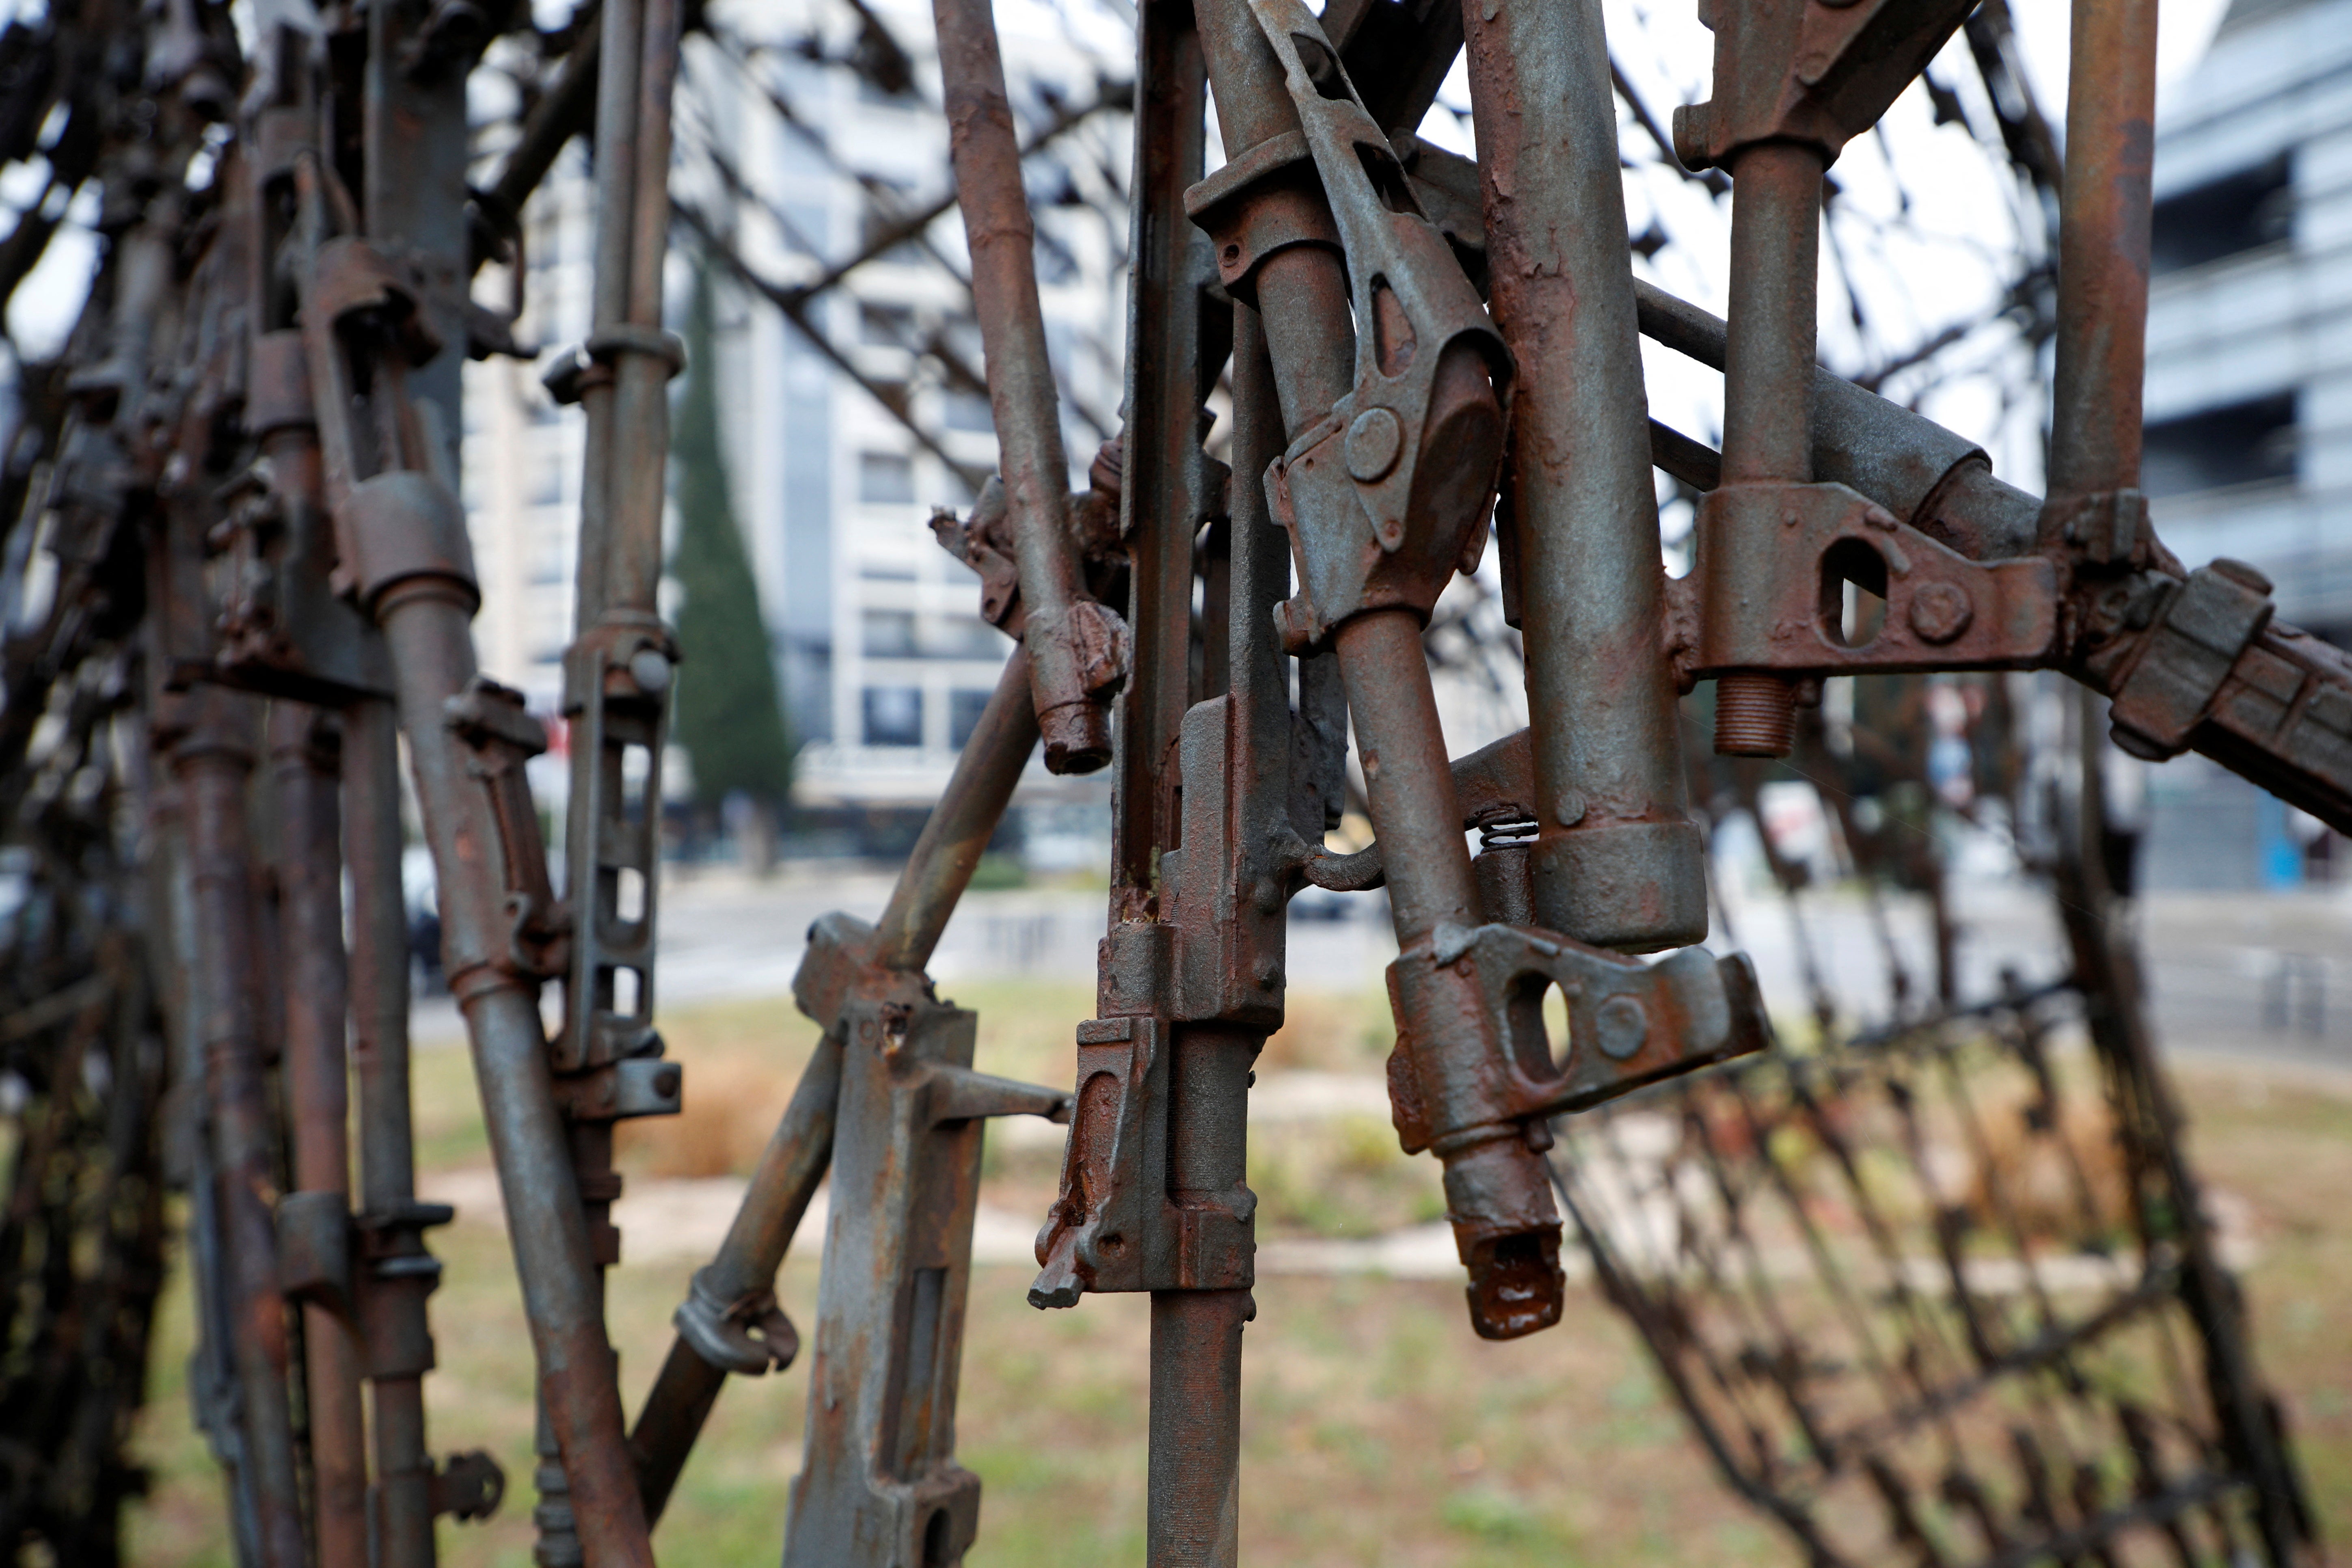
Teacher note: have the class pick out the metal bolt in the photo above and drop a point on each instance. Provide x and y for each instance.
(1940, 611)
(1569, 808)
(1755, 716)
(1375, 441)
(651, 671)
(1620, 1027)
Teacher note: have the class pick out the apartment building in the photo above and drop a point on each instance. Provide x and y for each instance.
(2249, 395)
(839, 451)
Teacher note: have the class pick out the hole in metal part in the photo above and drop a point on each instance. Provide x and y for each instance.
(1853, 594)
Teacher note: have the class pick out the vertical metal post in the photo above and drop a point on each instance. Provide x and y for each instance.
(2102, 253)
(398, 1273)
(1768, 385)
(214, 761)
(1618, 863)
(617, 671)
(305, 746)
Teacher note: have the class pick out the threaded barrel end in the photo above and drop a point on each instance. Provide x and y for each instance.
(1755, 716)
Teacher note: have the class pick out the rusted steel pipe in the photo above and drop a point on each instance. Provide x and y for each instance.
(1195, 1500)
(1067, 635)
(1617, 862)
(426, 620)
(800, 1149)
(1194, 1484)
(1768, 379)
(1408, 780)
(213, 762)
(1936, 482)
(620, 36)
(640, 450)
(1302, 297)
(791, 1166)
(398, 1272)
(957, 832)
(305, 746)
(2103, 254)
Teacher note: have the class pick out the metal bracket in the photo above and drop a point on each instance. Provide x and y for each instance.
(2203, 627)
(501, 737)
(1629, 1023)
(1115, 1227)
(1822, 73)
(1796, 546)
(314, 1249)
(618, 1090)
(617, 682)
(1419, 439)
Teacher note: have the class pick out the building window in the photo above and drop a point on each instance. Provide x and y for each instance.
(886, 326)
(888, 633)
(2240, 212)
(2244, 444)
(962, 636)
(894, 716)
(884, 478)
(964, 708)
(966, 410)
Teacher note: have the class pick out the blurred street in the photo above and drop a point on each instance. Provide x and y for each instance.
(2255, 975)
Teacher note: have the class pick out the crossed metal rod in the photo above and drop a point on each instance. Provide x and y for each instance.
(1410, 338)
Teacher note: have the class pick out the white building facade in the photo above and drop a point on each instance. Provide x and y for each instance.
(880, 653)
(2249, 394)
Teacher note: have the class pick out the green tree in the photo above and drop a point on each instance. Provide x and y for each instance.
(728, 715)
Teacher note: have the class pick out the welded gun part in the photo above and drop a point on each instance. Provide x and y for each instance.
(401, 538)
(730, 1321)
(213, 758)
(1791, 85)
(879, 1480)
(306, 754)
(1078, 647)
(1617, 862)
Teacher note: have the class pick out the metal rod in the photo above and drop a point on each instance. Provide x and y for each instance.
(1768, 383)
(1617, 861)
(2103, 252)
(1195, 1517)
(791, 1166)
(800, 1151)
(400, 1274)
(1408, 780)
(957, 832)
(214, 761)
(639, 455)
(1194, 1509)
(305, 747)
(986, 155)
(426, 620)
(621, 37)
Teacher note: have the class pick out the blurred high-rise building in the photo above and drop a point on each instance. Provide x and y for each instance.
(802, 142)
(2249, 444)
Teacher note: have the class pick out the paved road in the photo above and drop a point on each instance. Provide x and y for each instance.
(2264, 976)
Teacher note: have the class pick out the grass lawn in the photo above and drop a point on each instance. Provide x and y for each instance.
(1377, 1429)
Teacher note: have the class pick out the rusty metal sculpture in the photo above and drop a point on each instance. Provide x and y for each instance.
(250, 484)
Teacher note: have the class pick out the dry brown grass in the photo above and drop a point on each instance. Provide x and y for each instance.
(1377, 1431)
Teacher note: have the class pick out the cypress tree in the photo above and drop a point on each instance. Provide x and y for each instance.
(728, 715)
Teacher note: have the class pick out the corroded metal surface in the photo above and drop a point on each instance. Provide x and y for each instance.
(243, 493)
